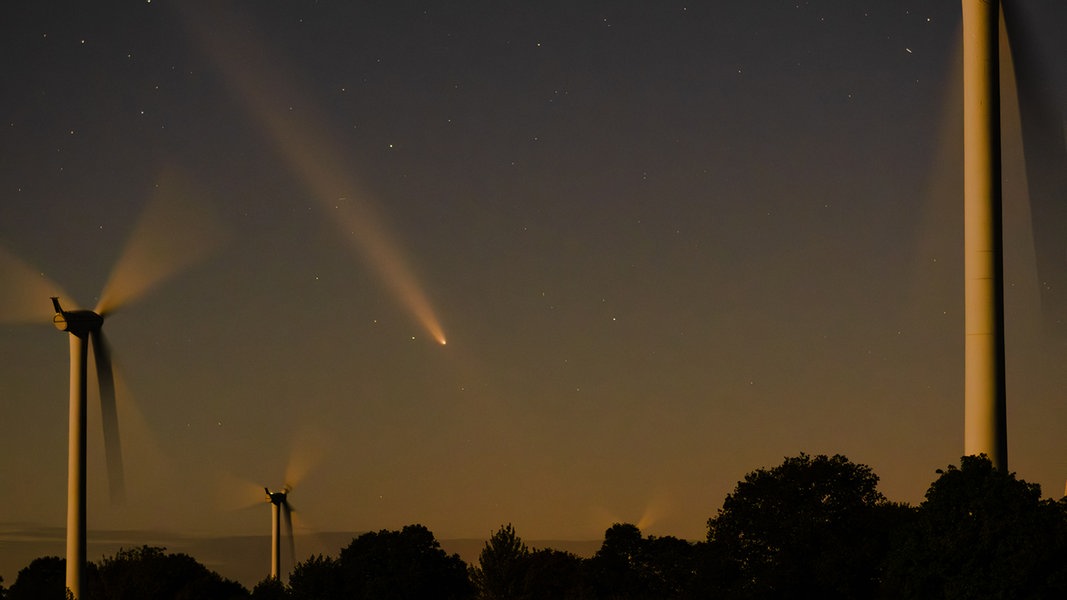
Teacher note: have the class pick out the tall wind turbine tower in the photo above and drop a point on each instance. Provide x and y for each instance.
(985, 419)
(280, 509)
(83, 325)
(159, 246)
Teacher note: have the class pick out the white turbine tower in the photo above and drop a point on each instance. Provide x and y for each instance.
(1045, 157)
(280, 510)
(985, 428)
(85, 325)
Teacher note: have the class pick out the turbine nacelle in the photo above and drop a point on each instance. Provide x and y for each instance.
(277, 498)
(77, 322)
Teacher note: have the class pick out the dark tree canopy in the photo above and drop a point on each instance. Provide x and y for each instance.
(617, 569)
(507, 568)
(145, 572)
(982, 533)
(149, 572)
(812, 527)
(42, 579)
(402, 564)
(270, 589)
(317, 578)
(553, 575)
(631, 566)
(801, 530)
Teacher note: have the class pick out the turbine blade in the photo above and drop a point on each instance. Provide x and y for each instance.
(25, 292)
(287, 516)
(1045, 158)
(172, 234)
(109, 416)
(308, 449)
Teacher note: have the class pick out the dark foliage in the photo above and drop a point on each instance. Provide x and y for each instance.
(629, 566)
(317, 578)
(149, 572)
(553, 575)
(507, 569)
(42, 579)
(270, 589)
(812, 527)
(502, 564)
(982, 534)
(402, 564)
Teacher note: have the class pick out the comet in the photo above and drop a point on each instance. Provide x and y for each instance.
(253, 77)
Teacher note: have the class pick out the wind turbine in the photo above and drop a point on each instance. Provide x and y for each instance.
(83, 326)
(308, 449)
(169, 236)
(280, 510)
(985, 412)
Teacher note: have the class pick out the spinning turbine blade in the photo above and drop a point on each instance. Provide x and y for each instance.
(109, 416)
(287, 516)
(21, 291)
(171, 235)
(307, 451)
(1045, 159)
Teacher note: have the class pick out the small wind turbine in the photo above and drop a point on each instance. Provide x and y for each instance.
(985, 421)
(280, 509)
(308, 448)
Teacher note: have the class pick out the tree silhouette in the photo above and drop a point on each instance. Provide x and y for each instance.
(810, 527)
(671, 566)
(270, 589)
(149, 572)
(553, 575)
(317, 578)
(42, 579)
(501, 567)
(629, 566)
(616, 570)
(982, 533)
(402, 564)
(507, 569)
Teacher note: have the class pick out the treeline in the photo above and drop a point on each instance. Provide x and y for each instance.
(812, 527)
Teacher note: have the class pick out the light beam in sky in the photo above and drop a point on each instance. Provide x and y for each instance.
(306, 147)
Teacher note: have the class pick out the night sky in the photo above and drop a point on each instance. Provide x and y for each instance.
(666, 243)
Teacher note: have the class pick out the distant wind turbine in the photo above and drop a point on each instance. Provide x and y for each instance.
(985, 412)
(308, 449)
(280, 510)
